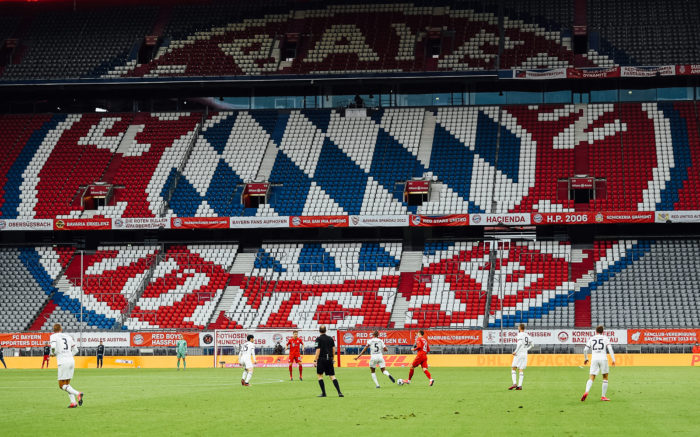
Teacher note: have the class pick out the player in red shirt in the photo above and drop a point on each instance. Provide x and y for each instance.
(295, 345)
(421, 348)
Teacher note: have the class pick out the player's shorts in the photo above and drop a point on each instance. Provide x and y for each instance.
(421, 360)
(46, 358)
(375, 362)
(520, 361)
(599, 366)
(181, 355)
(65, 370)
(295, 359)
(324, 366)
(247, 363)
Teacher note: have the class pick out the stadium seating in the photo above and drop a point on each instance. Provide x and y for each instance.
(220, 39)
(22, 296)
(642, 287)
(184, 288)
(327, 162)
(344, 285)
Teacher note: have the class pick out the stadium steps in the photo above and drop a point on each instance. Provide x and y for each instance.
(411, 261)
(489, 287)
(228, 297)
(426, 138)
(579, 269)
(43, 315)
(181, 165)
(268, 162)
(243, 264)
(398, 313)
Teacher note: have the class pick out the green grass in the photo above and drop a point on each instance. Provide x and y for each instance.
(464, 401)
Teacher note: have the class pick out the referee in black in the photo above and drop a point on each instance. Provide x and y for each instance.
(325, 354)
(100, 355)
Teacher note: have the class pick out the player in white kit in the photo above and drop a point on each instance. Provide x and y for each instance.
(246, 358)
(376, 358)
(520, 357)
(63, 347)
(599, 344)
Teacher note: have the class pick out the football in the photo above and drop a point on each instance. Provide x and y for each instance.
(399, 381)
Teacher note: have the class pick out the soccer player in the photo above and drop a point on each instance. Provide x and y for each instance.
(63, 347)
(47, 352)
(295, 345)
(246, 358)
(325, 355)
(376, 359)
(101, 354)
(181, 348)
(2, 358)
(421, 348)
(520, 357)
(599, 344)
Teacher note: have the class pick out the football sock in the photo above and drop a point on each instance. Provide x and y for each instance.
(589, 384)
(70, 389)
(178, 364)
(247, 378)
(300, 371)
(323, 386)
(386, 372)
(605, 387)
(513, 376)
(522, 376)
(245, 375)
(337, 386)
(290, 370)
(374, 378)
(410, 374)
(427, 373)
(72, 398)
(184, 364)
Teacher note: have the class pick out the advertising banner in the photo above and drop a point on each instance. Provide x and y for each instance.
(408, 337)
(562, 218)
(26, 225)
(98, 190)
(109, 339)
(499, 219)
(163, 339)
(441, 220)
(687, 69)
(663, 336)
(199, 222)
(141, 223)
(663, 70)
(624, 217)
(596, 73)
(379, 221)
(555, 73)
(86, 224)
(581, 183)
(677, 216)
(24, 339)
(553, 336)
(417, 186)
(319, 221)
(259, 222)
(257, 189)
(263, 338)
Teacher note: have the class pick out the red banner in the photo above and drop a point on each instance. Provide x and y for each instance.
(319, 221)
(408, 337)
(98, 190)
(581, 183)
(417, 186)
(24, 339)
(257, 189)
(199, 222)
(562, 218)
(163, 339)
(87, 224)
(687, 69)
(624, 217)
(663, 336)
(598, 73)
(442, 220)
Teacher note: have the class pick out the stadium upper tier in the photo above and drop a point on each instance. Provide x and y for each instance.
(642, 157)
(223, 38)
(625, 283)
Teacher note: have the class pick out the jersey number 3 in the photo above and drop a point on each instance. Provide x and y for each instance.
(65, 344)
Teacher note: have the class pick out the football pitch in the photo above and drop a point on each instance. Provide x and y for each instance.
(155, 402)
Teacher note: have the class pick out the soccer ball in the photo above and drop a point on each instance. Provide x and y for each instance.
(399, 381)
